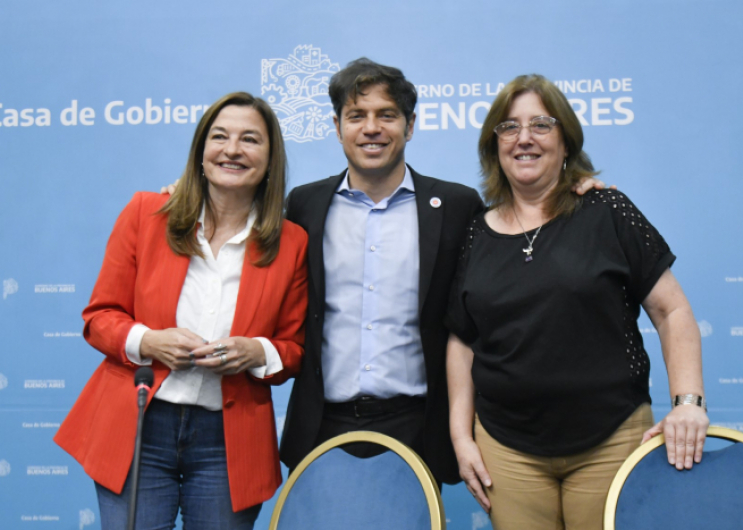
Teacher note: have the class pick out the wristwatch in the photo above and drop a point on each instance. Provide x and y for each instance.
(690, 399)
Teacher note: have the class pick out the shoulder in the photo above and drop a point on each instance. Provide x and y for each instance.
(317, 186)
(445, 187)
(614, 201)
(305, 200)
(606, 198)
(147, 201)
(292, 247)
(142, 206)
(458, 199)
(292, 232)
(476, 227)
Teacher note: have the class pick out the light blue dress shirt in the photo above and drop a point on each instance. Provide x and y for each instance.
(371, 337)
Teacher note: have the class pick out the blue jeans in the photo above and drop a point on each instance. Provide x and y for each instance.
(184, 466)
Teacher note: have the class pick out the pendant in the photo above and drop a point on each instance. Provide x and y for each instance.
(528, 252)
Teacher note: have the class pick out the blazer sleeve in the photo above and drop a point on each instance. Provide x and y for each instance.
(109, 315)
(288, 336)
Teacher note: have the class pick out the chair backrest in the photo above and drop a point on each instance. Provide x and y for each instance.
(649, 493)
(333, 490)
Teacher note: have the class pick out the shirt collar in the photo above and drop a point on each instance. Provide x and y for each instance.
(240, 237)
(406, 184)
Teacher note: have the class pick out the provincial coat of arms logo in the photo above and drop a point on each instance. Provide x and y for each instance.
(297, 90)
(10, 286)
(87, 517)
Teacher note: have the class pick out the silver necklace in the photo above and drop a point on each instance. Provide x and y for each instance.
(528, 250)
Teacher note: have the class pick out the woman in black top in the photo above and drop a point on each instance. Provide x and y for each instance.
(544, 343)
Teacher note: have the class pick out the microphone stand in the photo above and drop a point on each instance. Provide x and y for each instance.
(143, 379)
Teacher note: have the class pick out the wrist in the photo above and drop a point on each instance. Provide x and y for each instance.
(463, 439)
(689, 399)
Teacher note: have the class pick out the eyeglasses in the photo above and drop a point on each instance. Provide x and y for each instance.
(539, 126)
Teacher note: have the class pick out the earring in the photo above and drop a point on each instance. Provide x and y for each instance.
(564, 164)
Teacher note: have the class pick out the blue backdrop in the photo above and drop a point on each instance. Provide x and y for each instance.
(98, 101)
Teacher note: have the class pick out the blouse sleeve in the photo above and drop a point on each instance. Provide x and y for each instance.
(647, 253)
(457, 319)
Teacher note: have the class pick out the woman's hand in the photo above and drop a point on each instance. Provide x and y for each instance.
(172, 347)
(472, 470)
(459, 358)
(685, 429)
(230, 355)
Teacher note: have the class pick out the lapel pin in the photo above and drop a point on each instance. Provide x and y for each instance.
(435, 202)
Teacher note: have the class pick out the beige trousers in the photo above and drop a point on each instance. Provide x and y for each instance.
(556, 493)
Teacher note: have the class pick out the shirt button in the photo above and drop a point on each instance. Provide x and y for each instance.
(373, 248)
(371, 287)
(367, 367)
(211, 311)
(368, 326)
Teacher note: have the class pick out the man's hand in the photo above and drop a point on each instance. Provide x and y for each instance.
(170, 188)
(589, 183)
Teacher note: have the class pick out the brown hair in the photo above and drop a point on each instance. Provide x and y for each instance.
(363, 73)
(496, 188)
(184, 207)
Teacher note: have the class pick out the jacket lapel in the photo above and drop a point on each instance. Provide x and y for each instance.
(316, 230)
(252, 282)
(429, 231)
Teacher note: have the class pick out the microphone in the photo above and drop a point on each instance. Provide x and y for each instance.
(143, 379)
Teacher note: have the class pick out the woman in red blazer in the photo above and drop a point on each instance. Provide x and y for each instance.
(209, 287)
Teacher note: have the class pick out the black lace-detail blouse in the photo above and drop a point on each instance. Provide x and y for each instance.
(559, 360)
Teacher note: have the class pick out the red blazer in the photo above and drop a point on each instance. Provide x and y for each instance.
(140, 282)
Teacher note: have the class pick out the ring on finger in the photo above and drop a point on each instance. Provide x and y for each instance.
(220, 348)
(223, 358)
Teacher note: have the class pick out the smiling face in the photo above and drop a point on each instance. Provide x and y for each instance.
(236, 151)
(373, 132)
(527, 159)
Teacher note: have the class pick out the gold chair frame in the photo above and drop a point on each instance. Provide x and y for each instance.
(610, 508)
(425, 478)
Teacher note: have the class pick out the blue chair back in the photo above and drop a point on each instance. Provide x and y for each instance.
(333, 490)
(648, 493)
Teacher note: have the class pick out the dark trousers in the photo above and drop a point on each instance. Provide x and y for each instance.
(404, 425)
